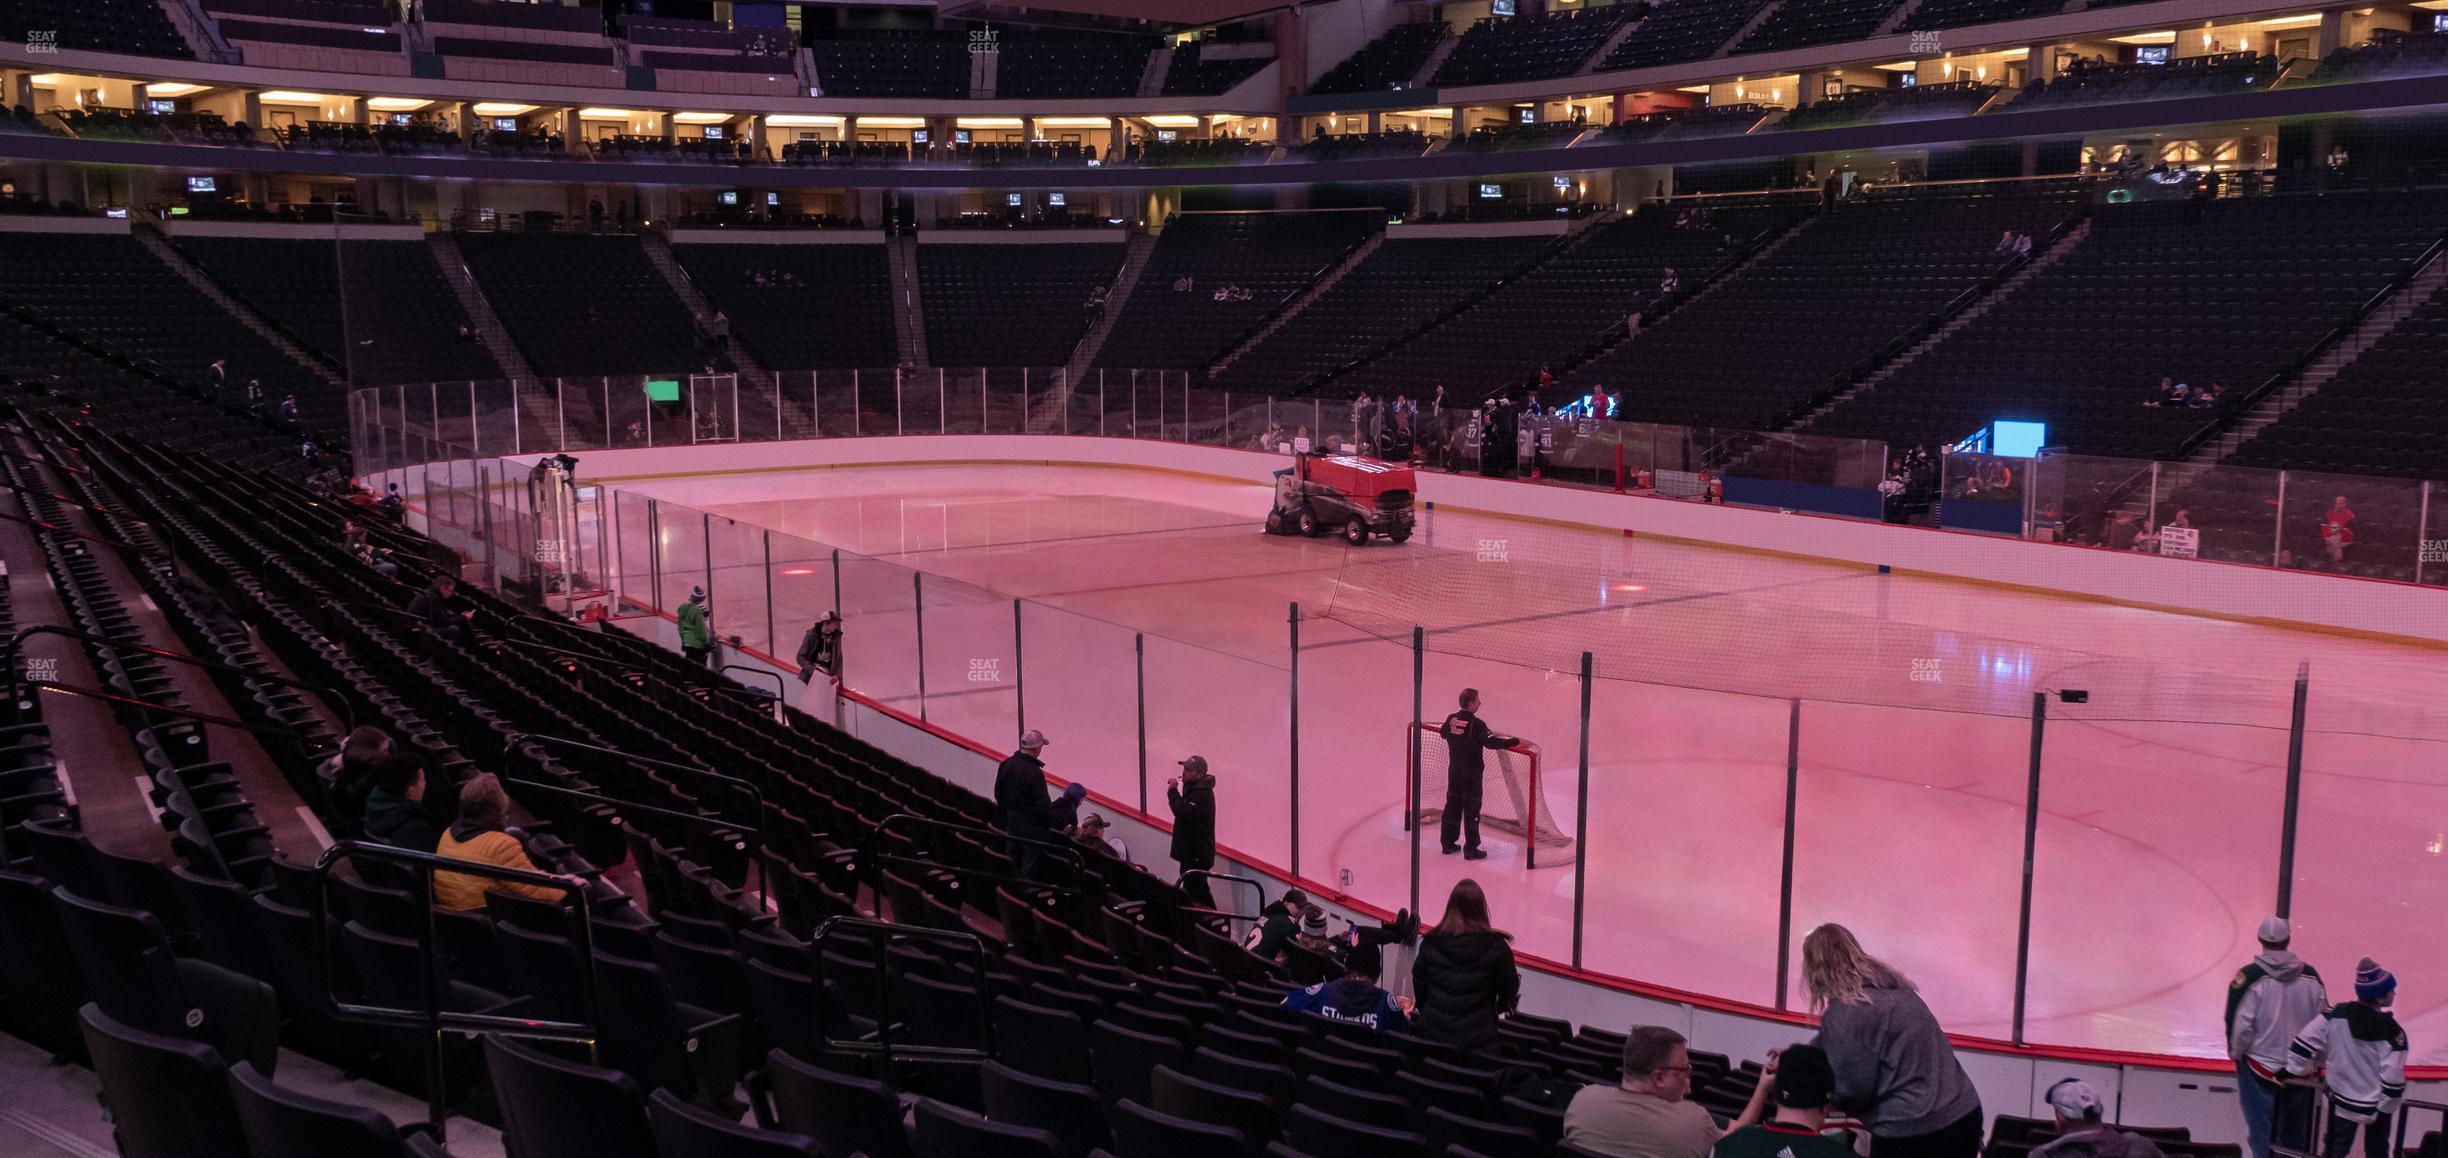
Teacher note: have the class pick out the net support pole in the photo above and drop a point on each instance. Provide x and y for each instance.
(773, 637)
(2031, 841)
(1019, 674)
(1139, 684)
(2294, 790)
(1580, 813)
(1785, 881)
(918, 612)
(1294, 737)
(1412, 753)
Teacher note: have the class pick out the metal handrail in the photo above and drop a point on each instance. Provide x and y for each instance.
(1211, 874)
(10, 652)
(882, 1047)
(433, 1019)
(764, 811)
(874, 853)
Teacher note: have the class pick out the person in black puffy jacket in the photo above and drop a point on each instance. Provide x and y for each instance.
(1464, 975)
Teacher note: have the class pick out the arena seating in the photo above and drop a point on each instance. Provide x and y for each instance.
(402, 320)
(312, 35)
(1801, 23)
(1194, 73)
(1197, 151)
(535, 50)
(1680, 30)
(1512, 48)
(1858, 277)
(512, 14)
(1389, 62)
(929, 64)
(1397, 289)
(1875, 105)
(2229, 292)
(135, 27)
(2191, 76)
(2377, 416)
(2387, 54)
(1010, 305)
(1054, 64)
(1937, 14)
(1516, 136)
(822, 307)
(583, 304)
(1545, 316)
(1356, 146)
(111, 290)
(1214, 276)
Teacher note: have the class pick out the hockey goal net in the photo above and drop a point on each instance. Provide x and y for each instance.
(1512, 796)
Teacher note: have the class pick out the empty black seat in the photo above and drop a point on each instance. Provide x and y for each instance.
(1315, 1132)
(283, 1123)
(1140, 1132)
(169, 1097)
(561, 1109)
(685, 1131)
(946, 1132)
(845, 1114)
(1068, 1110)
(1255, 1115)
(127, 965)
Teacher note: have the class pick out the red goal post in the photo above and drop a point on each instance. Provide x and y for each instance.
(1512, 795)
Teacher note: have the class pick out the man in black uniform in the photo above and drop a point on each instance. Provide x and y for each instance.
(1467, 741)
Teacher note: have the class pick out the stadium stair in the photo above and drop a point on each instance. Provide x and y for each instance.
(480, 311)
(659, 254)
(1598, 59)
(1749, 26)
(1436, 60)
(1724, 277)
(1300, 301)
(2368, 332)
(1050, 411)
(1160, 62)
(169, 255)
(909, 307)
(1894, 23)
(2056, 251)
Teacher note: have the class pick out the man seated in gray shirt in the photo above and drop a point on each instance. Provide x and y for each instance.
(1648, 1116)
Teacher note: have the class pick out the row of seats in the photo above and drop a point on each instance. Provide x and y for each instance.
(2226, 292)
(1512, 48)
(819, 307)
(1853, 280)
(1864, 106)
(379, 308)
(2193, 76)
(1393, 293)
(1214, 276)
(1543, 317)
(1194, 73)
(1011, 305)
(1391, 61)
(583, 304)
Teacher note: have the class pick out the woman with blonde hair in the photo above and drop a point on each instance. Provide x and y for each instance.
(1895, 1069)
(1464, 975)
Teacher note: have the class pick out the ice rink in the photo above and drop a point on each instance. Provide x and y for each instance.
(1906, 700)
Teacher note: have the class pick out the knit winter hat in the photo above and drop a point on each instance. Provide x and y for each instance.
(2373, 982)
(1313, 920)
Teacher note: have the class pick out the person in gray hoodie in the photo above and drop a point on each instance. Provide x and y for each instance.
(1895, 1069)
(2269, 1001)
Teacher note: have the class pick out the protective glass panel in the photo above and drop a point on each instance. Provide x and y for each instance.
(880, 631)
(1235, 710)
(971, 674)
(1081, 683)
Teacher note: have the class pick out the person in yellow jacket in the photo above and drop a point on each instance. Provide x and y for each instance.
(478, 837)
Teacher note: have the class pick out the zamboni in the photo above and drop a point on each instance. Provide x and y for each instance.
(1354, 496)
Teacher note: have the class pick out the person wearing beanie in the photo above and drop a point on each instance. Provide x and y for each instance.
(2362, 1051)
(2268, 1001)
(1314, 937)
(1798, 1101)
(2082, 1128)
(697, 629)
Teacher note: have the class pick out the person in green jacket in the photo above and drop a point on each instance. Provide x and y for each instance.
(697, 628)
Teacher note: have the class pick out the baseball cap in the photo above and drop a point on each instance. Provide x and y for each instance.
(2275, 931)
(1092, 820)
(2075, 1100)
(1804, 1079)
(1032, 740)
(1195, 764)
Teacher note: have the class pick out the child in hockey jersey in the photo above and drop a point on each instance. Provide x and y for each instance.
(2364, 1051)
(1354, 998)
